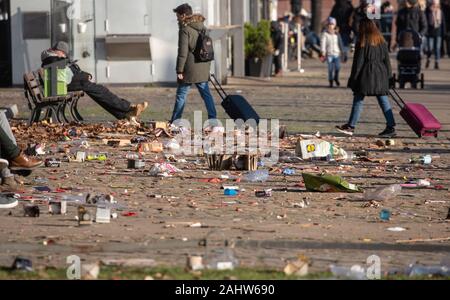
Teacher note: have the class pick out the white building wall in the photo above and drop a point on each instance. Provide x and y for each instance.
(25, 54)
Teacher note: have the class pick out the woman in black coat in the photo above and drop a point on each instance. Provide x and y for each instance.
(371, 76)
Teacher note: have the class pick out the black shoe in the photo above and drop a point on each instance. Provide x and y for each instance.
(436, 66)
(331, 83)
(346, 129)
(389, 132)
(427, 64)
(338, 84)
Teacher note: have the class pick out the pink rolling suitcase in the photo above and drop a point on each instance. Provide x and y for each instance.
(418, 117)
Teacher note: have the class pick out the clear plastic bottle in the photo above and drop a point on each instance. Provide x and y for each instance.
(419, 270)
(355, 272)
(257, 176)
(383, 193)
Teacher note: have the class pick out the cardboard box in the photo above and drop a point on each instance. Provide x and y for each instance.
(155, 147)
(308, 149)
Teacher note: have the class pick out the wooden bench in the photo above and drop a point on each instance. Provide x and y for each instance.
(54, 106)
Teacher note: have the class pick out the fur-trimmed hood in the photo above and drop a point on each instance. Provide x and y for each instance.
(195, 21)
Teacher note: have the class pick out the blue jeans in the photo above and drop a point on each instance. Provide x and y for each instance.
(334, 66)
(205, 93)
(383, 101)
(434, 47)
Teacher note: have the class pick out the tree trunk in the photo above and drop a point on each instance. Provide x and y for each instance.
(316, 10)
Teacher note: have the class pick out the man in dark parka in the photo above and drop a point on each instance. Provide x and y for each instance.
(189, 71)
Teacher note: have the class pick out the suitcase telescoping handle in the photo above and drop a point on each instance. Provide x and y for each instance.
(397, 98)
(218, 87)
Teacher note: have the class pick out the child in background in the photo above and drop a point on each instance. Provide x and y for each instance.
(331, 50)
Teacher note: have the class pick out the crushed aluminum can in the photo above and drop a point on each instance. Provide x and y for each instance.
(84, 217)
(52, 163)
(264, 194)
(136, 164)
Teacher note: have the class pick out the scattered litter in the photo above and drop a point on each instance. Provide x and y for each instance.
(288, 172)
(264, 194)
(42, 189)
(31, 211)
(396, 229)
(353, 273)
(425, 160)
(90, 271)
(422, 183)
(84, 217)
(320, 149)
(257, 176)
(421, 270)
(103, 215)
(133, 262)
(297, 268)
(195, 263)
(385, 215)
(22, 264)
(196, 225)
(172, 145)
(302, 204)
(381, 194)
(129, 214)
(57, 207)
(229, 192)
(329, 184)
(52, 163)
(163, 170)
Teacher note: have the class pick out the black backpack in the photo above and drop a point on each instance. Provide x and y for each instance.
(204, 52)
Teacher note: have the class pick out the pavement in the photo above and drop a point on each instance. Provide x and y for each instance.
(333, 229)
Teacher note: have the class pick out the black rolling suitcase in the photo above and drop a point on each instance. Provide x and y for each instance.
(236, 106)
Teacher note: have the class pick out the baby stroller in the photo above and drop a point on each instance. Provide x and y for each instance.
(409, 60)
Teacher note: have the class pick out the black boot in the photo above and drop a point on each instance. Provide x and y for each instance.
(338, 84)
(436, 66)
(331, 83)
(389, 132)
(427, 65)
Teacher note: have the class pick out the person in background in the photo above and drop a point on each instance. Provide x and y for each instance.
(342, 11)
(436, 31)
(277, 42)
(411, 17)
(360, 13)
(445, 4)
(312, 40)
(81, 81)
(332, 50)
(371, 75)
(296, 7)
(387, 19)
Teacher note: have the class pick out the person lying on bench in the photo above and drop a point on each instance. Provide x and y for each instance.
(81, 81)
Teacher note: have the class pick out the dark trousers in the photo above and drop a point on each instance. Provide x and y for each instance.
(116, 106)
(278, 63)
(8, 150)
(447, 45)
